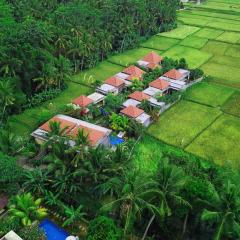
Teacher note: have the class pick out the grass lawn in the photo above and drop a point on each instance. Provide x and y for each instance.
(233, 51)
(101, 72)
(195, 58)
(220, 141)
(223, 74)
(227, 26)
(160, 43)
(216, 48)
(31, 118)
(183, 122)
(208, 33)
(194, 21)
(232, 106)
(226, 60)
(231, 37)
(209, 94)
(130, 56)
(181, 32)
(194, 42)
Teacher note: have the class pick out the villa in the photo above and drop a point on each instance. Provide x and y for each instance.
(178, 79)
(151, 61)
(112, 85)
(129, 74)
(137, 114)
(157, 87)
(83, 102)
(97, 98)
(96, 134)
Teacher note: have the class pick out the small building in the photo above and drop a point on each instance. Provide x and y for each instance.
(137, 114)
(157, 87)
(112, 85)
(11, 236)
(96, 134)
(82, 102)
(97, 98)
(130, 73)
(151, 61)
(131, 102)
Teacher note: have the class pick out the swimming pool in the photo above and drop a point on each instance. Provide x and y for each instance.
(52, 231)
(114, 140)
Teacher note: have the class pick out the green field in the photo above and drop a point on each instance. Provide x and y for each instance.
(216, 48)
(193, 41)
(183, 122)
(181, 32)
(226, 60)
(231, 37)
(232, 106)
(160, 43)
(208, 33)
(194, 57)
(233, 51)
(219, 142)
(209, 94)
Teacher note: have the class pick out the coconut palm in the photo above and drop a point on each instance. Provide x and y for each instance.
(74, 215)
(223, 215)
(26, 209)
(133, 195)
(171, 181)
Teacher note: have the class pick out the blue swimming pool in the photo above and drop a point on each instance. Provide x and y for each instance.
(52, 231)
(114, 140)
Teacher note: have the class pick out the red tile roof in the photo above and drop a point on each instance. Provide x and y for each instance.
(173, 74)
(139, 96)
(93, 135)
(114, 81)
(153, 57)
(82, 101)
(133, 72)
(132, 111)
(152, 65)
(159, 84)
(63, 124)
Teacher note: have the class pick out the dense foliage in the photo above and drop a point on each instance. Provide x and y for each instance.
(43, 42)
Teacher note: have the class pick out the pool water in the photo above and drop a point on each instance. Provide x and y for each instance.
(114, 140)
(52, 231)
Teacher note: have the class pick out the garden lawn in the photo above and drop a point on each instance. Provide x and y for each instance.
(130, 56)
(183, 122)
(194, 57)
(232, 106)
(216, 48)
(194, 42)
(208, 33)
(223, 74)
(101, 72)
(31, 118)
(160, 43)
(209, 94)
(181, 32)
(231, 37)
(220, 141)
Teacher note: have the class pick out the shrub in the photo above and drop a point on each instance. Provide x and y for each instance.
(196, 73)
(169, 98)
(8, 224)
(103, 228)
(31, 233)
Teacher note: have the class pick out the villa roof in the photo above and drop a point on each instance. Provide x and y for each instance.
(114, 81)
(82, 101)
(63, 124)
(94, 136)
(139, 96)
(153, 58)
(159, 84)
(173, 74)
(133, 72)
(3, 201)
(132, 111)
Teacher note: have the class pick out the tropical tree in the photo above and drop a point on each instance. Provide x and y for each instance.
(223, 214)
(25, 208)
(74, 216)
(118, 122)
(133, 195)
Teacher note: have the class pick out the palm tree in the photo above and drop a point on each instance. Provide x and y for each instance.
(134, 194)
(6, 95)
(74, 215)
(25, 208)
(223, 214)
(171, 181)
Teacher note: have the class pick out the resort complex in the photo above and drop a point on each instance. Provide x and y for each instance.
(119, 120)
